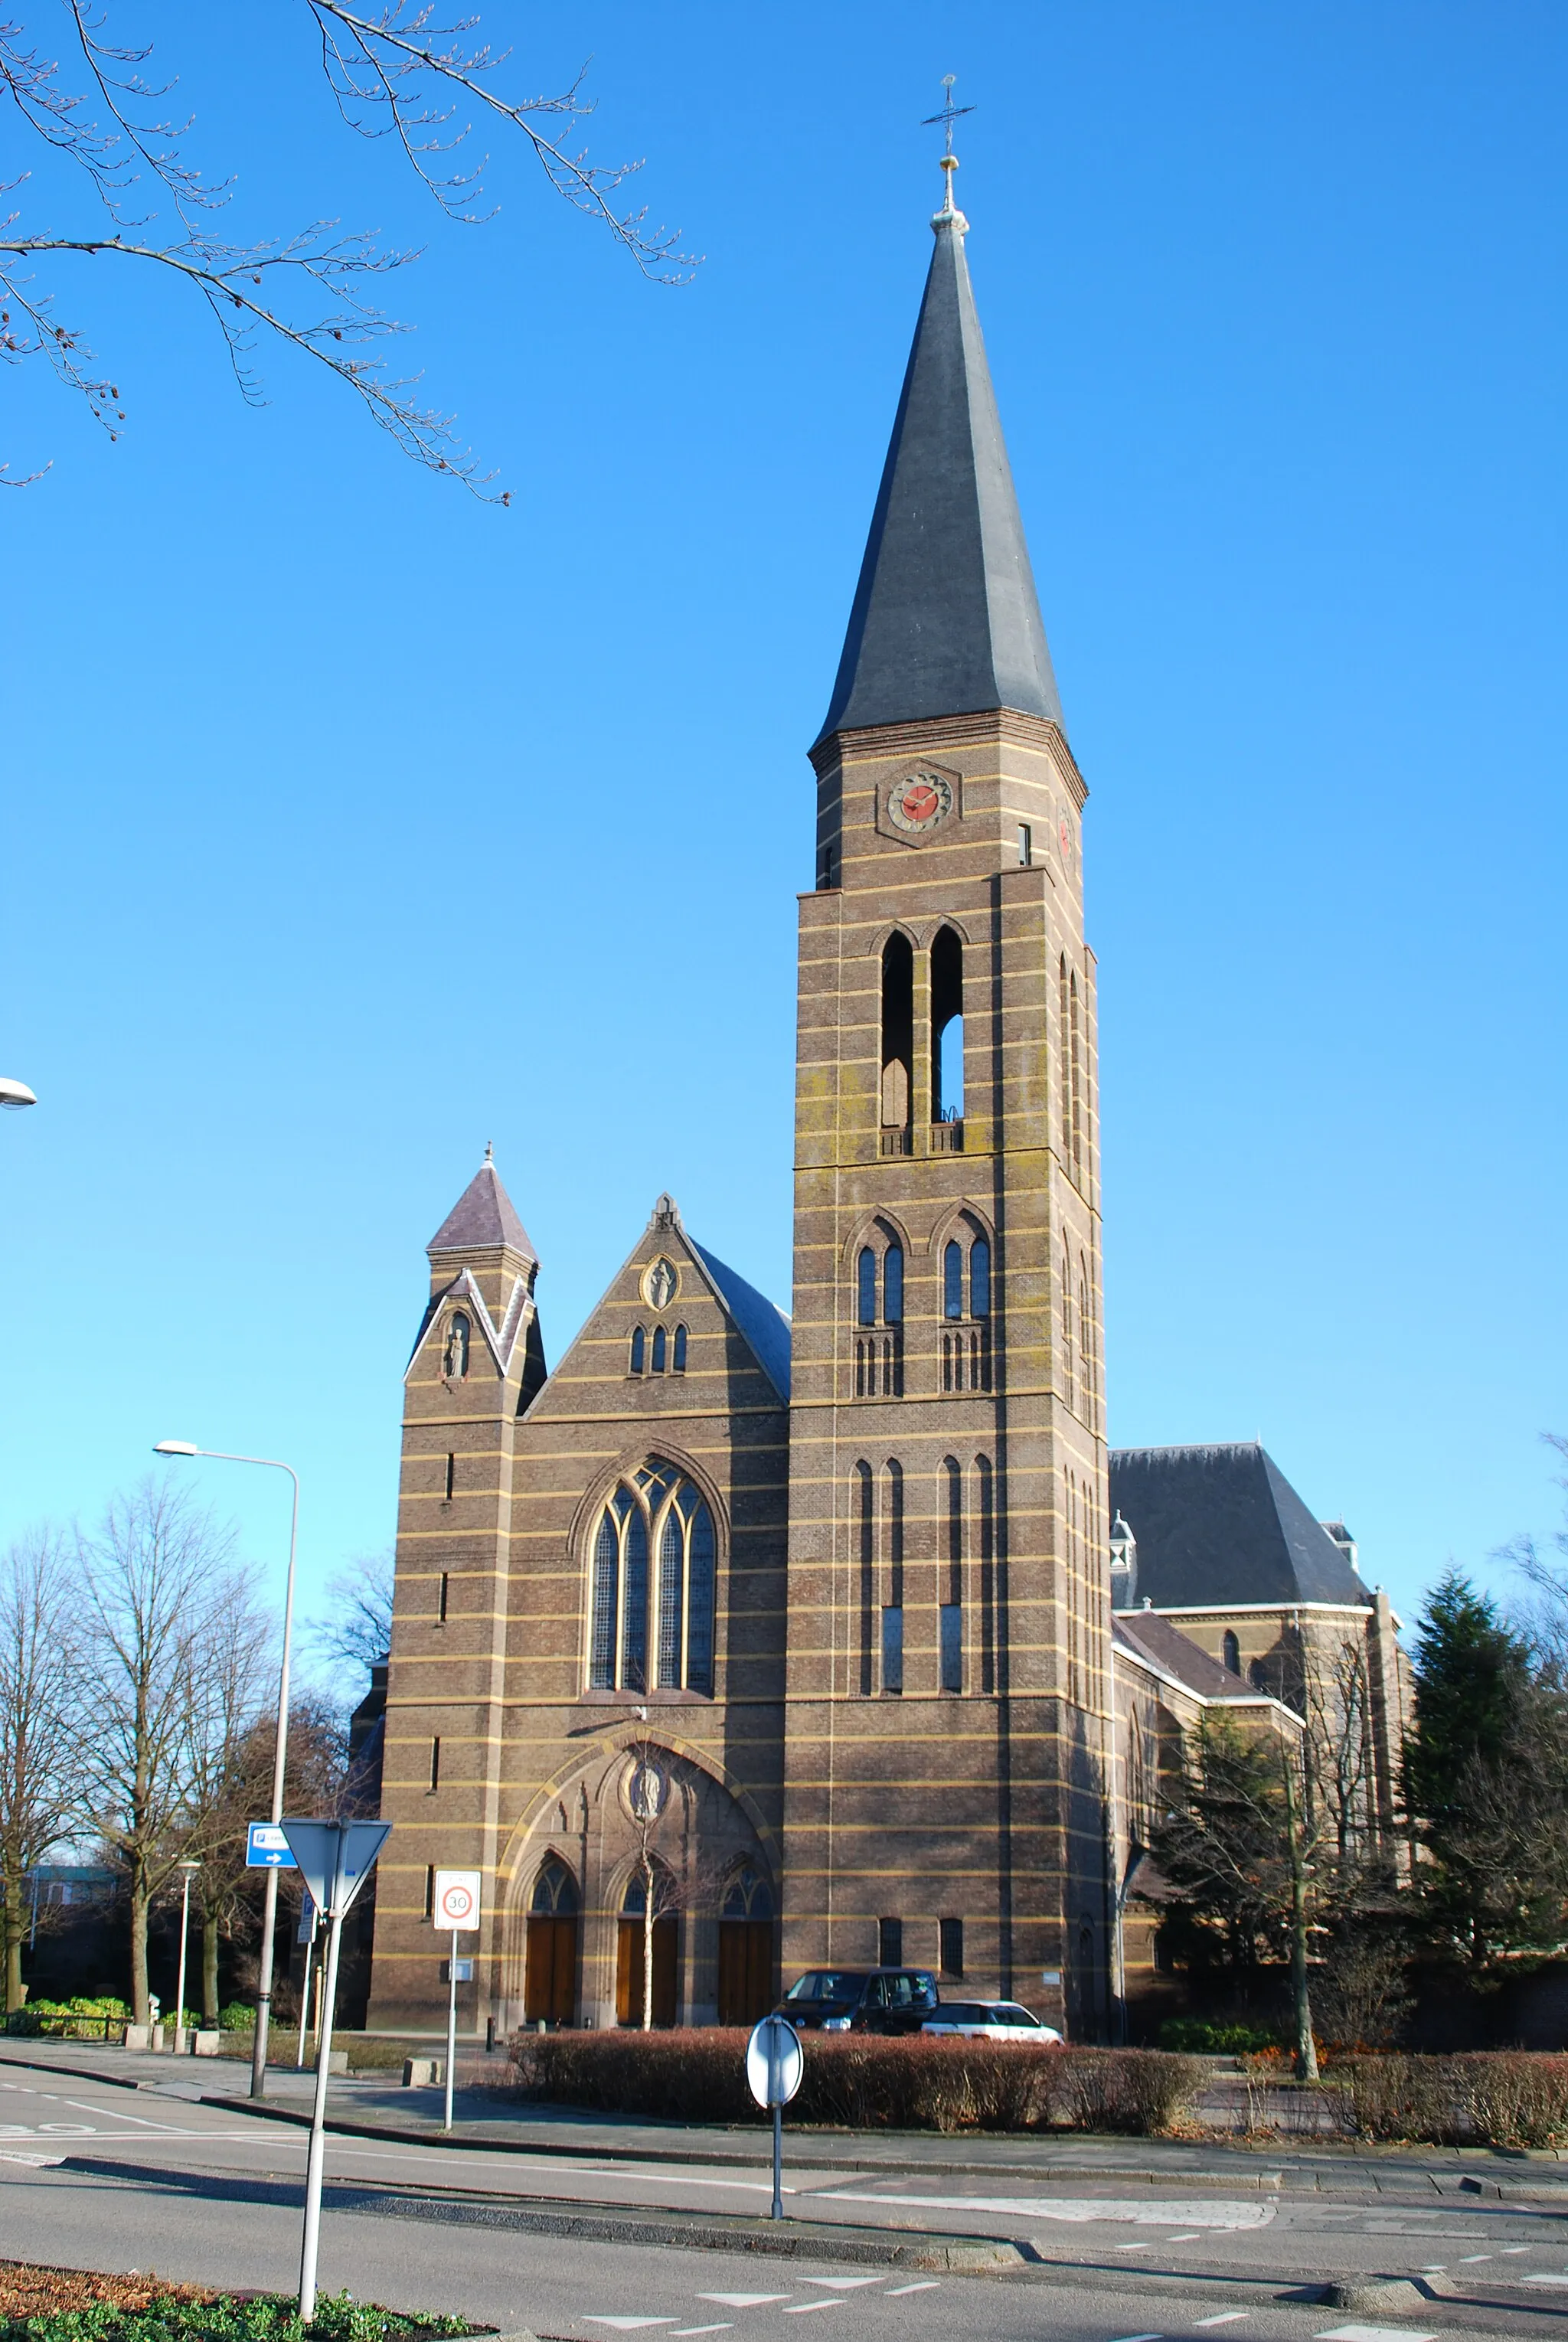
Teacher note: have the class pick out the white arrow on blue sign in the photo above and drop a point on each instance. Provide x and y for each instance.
(266, 1848)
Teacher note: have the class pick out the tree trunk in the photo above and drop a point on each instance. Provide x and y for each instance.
(647, 1946)
(15, 1930)
(140, 2004)
(209, 1970)
(1306, 2048)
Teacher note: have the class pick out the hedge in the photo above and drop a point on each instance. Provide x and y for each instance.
(182, 2314)
(864, 2081)
(1486, 2097)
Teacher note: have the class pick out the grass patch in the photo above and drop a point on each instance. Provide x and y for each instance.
(55, 2305)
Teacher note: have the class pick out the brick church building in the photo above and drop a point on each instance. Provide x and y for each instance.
(811, 1618)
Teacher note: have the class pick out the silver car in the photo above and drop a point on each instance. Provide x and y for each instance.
(989, 2020)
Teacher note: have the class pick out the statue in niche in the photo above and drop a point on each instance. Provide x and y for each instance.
(660, 1284)
(455, 1356)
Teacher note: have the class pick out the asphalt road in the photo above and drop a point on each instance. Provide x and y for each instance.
(98, 2176)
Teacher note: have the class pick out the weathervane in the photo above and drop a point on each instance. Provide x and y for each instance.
(947, 118)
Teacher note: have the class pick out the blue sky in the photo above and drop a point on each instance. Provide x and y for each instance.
(351, 823)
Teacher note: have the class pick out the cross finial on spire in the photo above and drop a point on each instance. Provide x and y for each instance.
(947, 118)
(489, 1151)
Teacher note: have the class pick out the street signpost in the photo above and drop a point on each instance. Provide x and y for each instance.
(266, 1848)
(334, 1858)
(775, 2064)
(455, 1904)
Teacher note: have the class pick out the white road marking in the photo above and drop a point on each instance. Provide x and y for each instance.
(1143, 2245)
(804, 2309)
(1506, 2252)
(924, 2285)
(115, 2114)
(8, 2156)
(1371, 2334)
(723, 2326)
(840, 2280)
(1140, 2337)
(1222, 2317)
(629, 2325)
(742, 2300)
(1464, 2258)
(1185, 2237)
(1225, 2215)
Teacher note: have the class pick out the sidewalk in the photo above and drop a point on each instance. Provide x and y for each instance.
(376, 2105)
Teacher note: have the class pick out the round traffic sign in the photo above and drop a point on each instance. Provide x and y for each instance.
(456, 1900)
(775, 2062)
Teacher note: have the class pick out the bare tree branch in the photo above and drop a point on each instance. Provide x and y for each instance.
(399, 73)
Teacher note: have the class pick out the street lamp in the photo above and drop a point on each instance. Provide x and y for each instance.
(15, 1096)
(269, 1908)
(189, 1869)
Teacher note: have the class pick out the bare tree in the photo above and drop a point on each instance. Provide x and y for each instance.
(356, 1628)
(162, 1602)
(395, 73)
(675, 1874)
(40, 1685)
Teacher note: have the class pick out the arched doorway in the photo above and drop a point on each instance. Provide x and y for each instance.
(746, 1949)
(629, 1953)
(550, 1989)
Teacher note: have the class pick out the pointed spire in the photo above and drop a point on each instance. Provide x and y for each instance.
(483, 1216)
(945, 620)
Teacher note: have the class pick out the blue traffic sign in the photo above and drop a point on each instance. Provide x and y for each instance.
(266, 1848)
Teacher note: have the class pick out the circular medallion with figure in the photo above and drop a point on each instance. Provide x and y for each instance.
(918, 802)
(661, 1284)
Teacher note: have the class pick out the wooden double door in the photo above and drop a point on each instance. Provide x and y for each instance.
(550, 1985)
(629, 1969)
(745, 1970)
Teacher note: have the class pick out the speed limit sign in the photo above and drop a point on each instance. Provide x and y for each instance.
(456, 1899)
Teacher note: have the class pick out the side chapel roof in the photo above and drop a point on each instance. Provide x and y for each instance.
(1219, 1527)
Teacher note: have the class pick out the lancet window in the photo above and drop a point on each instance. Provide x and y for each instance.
(966, 1310)
(652, 1586)
(879, 1315)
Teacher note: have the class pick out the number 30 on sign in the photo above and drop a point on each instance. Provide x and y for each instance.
(455, 1902)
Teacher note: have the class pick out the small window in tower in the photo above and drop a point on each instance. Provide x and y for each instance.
(824, 869)
(660, 1345)
(950, 1938)
(866, 1269)
(639, 1349)
(680, 1362)
(435, 1764)
(951, 1616)
(893, 1646)
(889, 1943)
(1025, 845)
(430, 1891)
(451, 1476)
(953, 1281)
(441, 1603)
(980, 1279)
(892, 1286)
(1232, 1651)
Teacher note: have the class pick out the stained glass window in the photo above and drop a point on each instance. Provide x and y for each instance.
(680, 1349)
(659, 1344)
(672, 1573)
(638, 1349)
(655, 1543)
(607, 1569)
(980, 1279)
(635, 1608)
(953, 1281)
(867, 1273)
(892, 1286)
(699, 1602)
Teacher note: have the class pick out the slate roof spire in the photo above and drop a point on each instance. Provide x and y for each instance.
(945, 619)
(484, 1216)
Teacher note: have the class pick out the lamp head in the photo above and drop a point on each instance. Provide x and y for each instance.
(175, 1448)
(14, 1095)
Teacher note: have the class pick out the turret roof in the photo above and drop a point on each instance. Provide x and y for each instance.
(483, 1216)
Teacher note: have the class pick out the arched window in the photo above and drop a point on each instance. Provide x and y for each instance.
(454, 1356)
(680, 1349)
(866, 1543)
(947, 1027)
(892, 1286)
(866, 1275)
(952, 1280)
(554, 1892)
(639, 1349)
(660, 1345)
(659, 1516)
(980, 1279)
(1232, 1651)
(747, 1896)
(897, 1040)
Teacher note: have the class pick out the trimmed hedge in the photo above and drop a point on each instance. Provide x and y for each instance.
(1486, 2097)
(182, 2314)
(864, 2081)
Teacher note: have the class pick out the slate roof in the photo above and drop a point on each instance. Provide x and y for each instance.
(1149, 1636)
(945, 619)
(482, 1215)
(1221, 1527)
(764, 1326)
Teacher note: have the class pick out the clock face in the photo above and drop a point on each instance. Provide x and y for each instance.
(918, 803)
(1064, 833)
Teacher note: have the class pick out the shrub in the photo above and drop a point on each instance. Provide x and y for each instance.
(180, 2315)
(238, 2016)
(1197, 2038)
(1484, 2097)
(864, 2081)
(80, 2018)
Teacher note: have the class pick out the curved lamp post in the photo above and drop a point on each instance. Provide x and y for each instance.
(14, 1095)
(280, 1753)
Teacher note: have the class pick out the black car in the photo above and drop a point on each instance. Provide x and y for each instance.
(860, 2000)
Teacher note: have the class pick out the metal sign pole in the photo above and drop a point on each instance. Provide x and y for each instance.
(305, 1997)
(317, 2156)
(778, 2161)
(451, 2025)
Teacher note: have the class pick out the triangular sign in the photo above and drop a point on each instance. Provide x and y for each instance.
(334, 1858)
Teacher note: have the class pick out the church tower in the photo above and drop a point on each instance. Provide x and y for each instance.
(949, 1615)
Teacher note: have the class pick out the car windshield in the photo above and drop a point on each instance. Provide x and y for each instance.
(1008, 2012)
(827, 1984)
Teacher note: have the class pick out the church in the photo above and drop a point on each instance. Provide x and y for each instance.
(844, 1629)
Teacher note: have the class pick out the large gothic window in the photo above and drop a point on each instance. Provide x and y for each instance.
(652, 1586)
